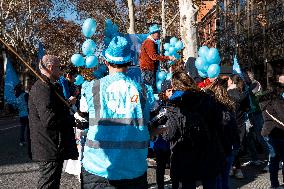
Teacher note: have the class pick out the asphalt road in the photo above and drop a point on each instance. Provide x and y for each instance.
(17, 171)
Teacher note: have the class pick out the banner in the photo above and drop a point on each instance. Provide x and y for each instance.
(11, 80)
(136, 41)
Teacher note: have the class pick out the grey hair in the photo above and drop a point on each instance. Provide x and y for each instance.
(48, 60)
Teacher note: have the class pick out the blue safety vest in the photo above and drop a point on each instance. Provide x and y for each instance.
(117, 140)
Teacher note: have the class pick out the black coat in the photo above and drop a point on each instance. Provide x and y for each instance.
(275, 106)
(189, 163)
(242, 103)
(51, 126)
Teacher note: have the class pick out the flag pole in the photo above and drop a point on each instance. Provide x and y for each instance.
(31, 69)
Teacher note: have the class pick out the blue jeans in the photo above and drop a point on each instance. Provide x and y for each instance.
(278, 146)
(223, 179)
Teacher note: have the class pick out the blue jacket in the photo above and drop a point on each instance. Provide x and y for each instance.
(117, 139)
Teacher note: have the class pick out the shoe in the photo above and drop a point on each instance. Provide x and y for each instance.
(253, 163)
(266, 168)
(167, 178)
(258, 162)
(231, 173)
(239, 174)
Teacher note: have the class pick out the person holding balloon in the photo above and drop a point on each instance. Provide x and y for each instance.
(149, 57)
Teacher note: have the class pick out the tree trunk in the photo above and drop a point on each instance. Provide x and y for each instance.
(131, 29)
(164, 32)
(188, 29)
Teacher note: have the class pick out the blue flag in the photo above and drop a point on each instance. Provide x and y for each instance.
(41, 51)
(236, 67)
(11, 80)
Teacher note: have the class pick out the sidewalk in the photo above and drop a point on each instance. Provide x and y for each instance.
(255, 178)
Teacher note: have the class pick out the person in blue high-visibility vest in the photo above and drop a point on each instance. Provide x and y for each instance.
(117, 140)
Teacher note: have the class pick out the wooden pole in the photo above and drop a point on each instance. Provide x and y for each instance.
(31, 69)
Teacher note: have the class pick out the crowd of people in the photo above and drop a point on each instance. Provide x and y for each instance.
(200, 129)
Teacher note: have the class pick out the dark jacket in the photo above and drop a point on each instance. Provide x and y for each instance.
(242, 104)
(158, 119)
(187, 161)
(51, 126)
(230, 134)
(275, 107)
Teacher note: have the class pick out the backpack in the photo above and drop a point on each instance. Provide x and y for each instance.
(190, 128)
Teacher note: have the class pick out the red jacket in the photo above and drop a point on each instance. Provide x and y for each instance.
(149, 57)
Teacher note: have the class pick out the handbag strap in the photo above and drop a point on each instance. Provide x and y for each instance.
(274, 118)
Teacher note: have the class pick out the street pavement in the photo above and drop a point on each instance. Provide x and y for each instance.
(17, 171)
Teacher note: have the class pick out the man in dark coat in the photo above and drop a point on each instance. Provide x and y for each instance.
(51, 126)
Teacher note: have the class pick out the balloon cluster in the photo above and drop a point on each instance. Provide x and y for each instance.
(89, 60)
(208, 62)
(161, 76)
(111, 30)
(172, 48)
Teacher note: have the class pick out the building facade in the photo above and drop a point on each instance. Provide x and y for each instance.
(253, 30)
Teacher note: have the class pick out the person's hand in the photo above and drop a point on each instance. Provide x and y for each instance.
(172, 58)
(72, 100)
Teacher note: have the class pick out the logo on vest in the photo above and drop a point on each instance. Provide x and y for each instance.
(122, 97)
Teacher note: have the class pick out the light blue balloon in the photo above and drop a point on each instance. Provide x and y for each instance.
(172, 51)
(201, 64)
(173, 41)
(177, 56)
(79, 80)
(91, 61)
(162, 75)
(108, 22)
(203, 51)
(213, 56)
(202, 74)
(77, 60)
(169, 76)
(213, 70)
(88, 47)
(159, 85)
(89, 27)
(167, 53)
(167, 46)
(178, 45)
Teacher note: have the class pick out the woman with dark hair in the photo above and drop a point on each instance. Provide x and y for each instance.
(274, 128)
(193, 128)
(240, 97)
(157, 125)
(231, 137)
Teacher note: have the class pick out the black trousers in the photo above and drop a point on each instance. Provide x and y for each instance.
(91, 181)
(50, 174)
(162, 158)
(24, 126)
